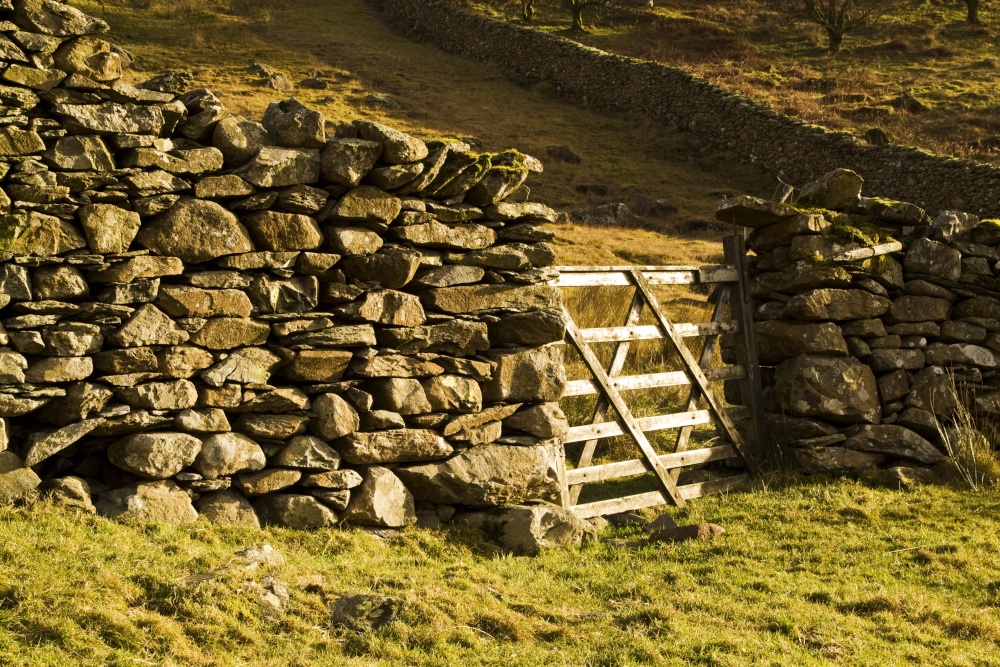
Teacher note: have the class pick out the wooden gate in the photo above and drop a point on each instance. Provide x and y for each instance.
(737, 446)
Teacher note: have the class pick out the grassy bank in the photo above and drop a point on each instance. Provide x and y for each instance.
(807, 574)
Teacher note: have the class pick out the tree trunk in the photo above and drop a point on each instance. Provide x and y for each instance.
(578, 19)
(973, 14)
(836, 39)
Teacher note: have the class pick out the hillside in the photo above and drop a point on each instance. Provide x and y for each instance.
(373, 73)
(921, 73)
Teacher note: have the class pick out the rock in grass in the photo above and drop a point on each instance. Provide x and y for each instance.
(16, 481)
(161, 501)
(228, 508)
(381, 500)
(364, 613)
(702, 532)
(528, 529)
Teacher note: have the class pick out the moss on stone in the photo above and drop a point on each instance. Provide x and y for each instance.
(853, 228)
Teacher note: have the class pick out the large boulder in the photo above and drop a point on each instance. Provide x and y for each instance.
(49, 17)
(195, 230)
(840, 390)
(488, 476)
(380, 500)
(839, 189)
(528, 529)
(161, 501)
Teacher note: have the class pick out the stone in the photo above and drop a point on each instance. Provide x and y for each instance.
(13, 406)
(893, 386)
(138, 268)
(59, 369)
(12, 367)
(239, 139)
(148, 326)
(195, 230)
(398, 148)
(764, 239)
(333, 479)
(884, 360)
(273, 427)
(45, 444)
(222, 187)
(161, 501)
(453, 394)
(488, 475)
(367, 204)
(176, 395)
(699, 532)
(266, 481)
(191, 162)
(395, 366)
(896, 441)
(109, 229)
(364, 613)
(59, 283)
(405, 396)
(448, 276)
(380, 500)
(925, 256)
(274, 167)
(16, 481)
(318, 366)
(93, 58)
(434, 234)
(840, 390)
(206, 420)
(291, 124)
(399, 445)
(388, 307)
(837, 305)
(799, 276)
(296, 511)
(352, 240)
(227, 508)
(498, 183)
(778, 340)
(302, 199)
(33, 233)
(71, 492)
(156, 455)
(813, 460)
(954, 225)
(53, 18)
(182, 362)
(295, 295)
(961, 354)
(526, 375)
(909, 308)
(839, 189)
(933, 389)
(362, 335)
(334, 417)
(475, 298)
(308, 453)
(903, 477)
(979, 306)
(752, 212)
(542, 421)
(226, 333)
(283, 231)
(392, 267)
(530, 529)
(458, 337)
(346, 161)
(531, 329)
(118, 118)
(80, 153)
(226, 454)
(156, 186)
(183, 301)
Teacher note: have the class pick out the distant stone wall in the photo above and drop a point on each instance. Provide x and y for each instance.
(205, 314)
(875, 322)
(678, 99)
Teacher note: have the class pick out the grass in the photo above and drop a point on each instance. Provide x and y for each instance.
(825, 572)
(920, 47)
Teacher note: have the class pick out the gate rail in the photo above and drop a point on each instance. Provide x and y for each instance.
(731, 316)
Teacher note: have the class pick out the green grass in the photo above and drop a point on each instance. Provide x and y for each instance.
(807, 574)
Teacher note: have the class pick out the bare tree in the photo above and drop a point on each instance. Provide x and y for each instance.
(839, 17)
(578, 6)
(527, 9)
(972, 15)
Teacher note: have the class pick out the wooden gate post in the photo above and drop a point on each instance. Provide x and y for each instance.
(751, 388)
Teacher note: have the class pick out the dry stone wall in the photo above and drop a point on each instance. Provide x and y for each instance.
(681, 100)
(875, 323)
(255, 321)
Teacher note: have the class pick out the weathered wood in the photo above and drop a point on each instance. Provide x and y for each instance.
(628, 421)
(618, 276)
(651, 424)
(723, 294)
(601, 409)
(652, 381)
(653, 332)
(654, 498)
(867, 253)
(697, 374)
(621, 469)
(751, 389)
